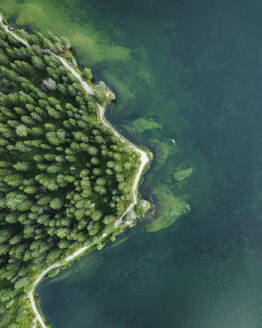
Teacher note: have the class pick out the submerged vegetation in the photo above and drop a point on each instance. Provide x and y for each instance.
(65, 178)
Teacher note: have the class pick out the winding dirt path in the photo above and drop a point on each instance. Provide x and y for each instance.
(144, 159)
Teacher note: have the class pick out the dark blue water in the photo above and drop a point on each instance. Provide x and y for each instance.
(189, 70)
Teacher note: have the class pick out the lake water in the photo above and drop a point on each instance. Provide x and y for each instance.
(189, 70)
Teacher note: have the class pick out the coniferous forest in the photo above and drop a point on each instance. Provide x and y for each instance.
(64, 177)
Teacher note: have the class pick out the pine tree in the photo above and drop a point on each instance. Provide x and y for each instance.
(38, 62)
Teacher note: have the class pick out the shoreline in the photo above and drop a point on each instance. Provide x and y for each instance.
(144, 160)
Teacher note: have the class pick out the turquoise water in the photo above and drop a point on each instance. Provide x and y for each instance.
(189, 70)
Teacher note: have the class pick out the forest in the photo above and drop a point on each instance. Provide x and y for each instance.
(64, 177)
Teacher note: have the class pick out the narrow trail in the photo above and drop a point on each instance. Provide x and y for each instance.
(144, 159)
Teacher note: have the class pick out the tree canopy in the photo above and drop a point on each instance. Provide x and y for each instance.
(64, 177)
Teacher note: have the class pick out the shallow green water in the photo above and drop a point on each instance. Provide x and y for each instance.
(189, 70)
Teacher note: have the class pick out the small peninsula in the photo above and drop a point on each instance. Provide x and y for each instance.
(68, 179)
